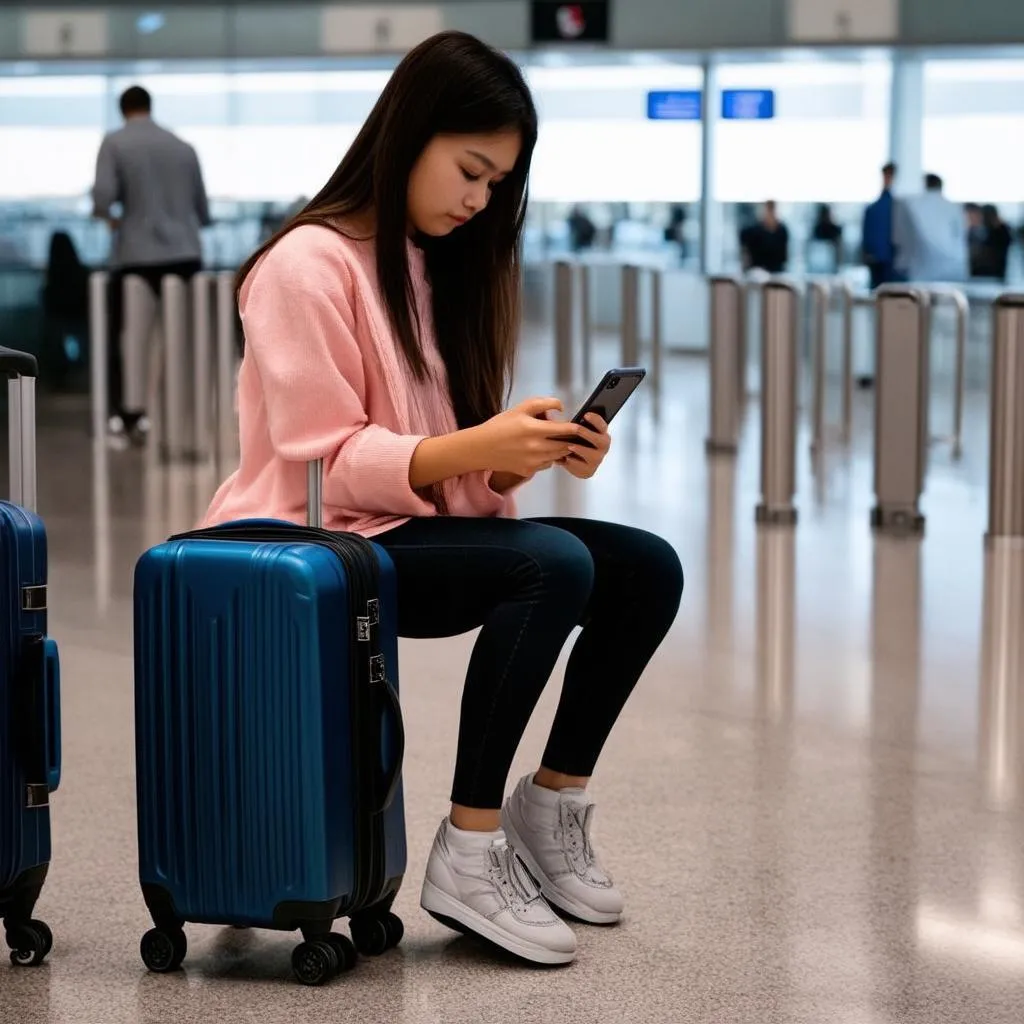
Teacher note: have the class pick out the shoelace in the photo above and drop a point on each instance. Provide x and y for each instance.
(515, 881)
(576, 821)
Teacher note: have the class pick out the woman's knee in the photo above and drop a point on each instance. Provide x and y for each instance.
(655, 566)
(561, 565)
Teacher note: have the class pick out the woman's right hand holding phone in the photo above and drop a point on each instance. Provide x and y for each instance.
(514, 445)
(522, 440)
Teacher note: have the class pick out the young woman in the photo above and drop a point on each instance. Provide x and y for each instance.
(381, 327)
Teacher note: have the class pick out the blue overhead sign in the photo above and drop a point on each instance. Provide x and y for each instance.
(748, 104)
(674, 105)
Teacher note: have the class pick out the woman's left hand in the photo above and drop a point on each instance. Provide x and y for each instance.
(583, 462)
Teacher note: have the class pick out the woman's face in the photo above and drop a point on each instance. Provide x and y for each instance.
(451, 181)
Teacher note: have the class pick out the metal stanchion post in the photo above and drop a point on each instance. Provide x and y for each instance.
(202, 338)
(176, 363)
(586, 325)
(753, 284)
(821, 295)
(740, 369)
(563, 324)
(140, 317)
(847, 402)
(1006, 436)
(99, 328)
(727, 295)
(226, 323)
(901, 408)
(656, 330)
(961, 309)
(630, 315)
(779, 394)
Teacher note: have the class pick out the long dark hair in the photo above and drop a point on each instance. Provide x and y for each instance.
(450, 84)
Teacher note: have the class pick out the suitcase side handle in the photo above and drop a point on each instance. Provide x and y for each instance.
(51, 692)
(390, 715)
(37, 717)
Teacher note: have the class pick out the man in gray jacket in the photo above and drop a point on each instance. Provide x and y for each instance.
(156, 179)
(930, 235)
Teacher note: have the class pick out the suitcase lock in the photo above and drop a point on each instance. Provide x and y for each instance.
(377, 670)
(365, 622)
(37, 795)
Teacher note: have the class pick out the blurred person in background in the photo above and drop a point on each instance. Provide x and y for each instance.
(675, 230)
(992, 255)
(975, 236)
(930, 235)
(65, 301)
(581, 229)
(156, 179)
(825, 228)
(826, 239)
(765, 245)
(877, 247)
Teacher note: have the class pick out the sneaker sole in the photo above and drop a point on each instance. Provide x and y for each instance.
(555, 896)
(456, 915)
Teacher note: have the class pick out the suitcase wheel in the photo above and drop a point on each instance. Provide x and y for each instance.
(396, 930)
(163, 951)
(29, 943)
(314, 963)
(376, 935)
(344, 950)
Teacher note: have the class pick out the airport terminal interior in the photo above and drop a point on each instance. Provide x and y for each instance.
(814, 800)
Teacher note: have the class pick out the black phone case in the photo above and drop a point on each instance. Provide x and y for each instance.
(609, 397)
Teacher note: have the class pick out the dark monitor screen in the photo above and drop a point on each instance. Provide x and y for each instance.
(557, 22)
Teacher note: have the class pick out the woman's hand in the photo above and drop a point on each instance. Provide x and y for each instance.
(583, 462)
(521, 441)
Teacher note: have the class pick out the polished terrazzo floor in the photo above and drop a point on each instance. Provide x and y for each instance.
(813, 801)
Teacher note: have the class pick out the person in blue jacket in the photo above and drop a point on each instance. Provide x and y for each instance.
(877, 242)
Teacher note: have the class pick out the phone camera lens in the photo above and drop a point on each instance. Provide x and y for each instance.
(613, 383)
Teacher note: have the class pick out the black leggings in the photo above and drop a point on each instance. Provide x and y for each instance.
(529, 583)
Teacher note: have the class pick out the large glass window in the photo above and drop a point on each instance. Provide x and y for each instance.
(829, 136)
(974, 128)
(50, 130)
(596, 143)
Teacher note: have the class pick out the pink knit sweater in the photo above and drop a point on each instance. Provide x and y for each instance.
(324, 378)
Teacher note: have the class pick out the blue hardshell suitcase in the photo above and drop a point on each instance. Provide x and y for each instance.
(269, 739)
(29, 683)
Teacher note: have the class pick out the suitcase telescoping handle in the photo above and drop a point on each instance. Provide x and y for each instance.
(315, 494)
(21, 370)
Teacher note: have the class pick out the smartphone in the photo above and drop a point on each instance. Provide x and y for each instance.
(609, 396)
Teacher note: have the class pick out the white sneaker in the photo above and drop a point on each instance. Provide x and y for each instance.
(117, 436)
(476, 882)
(140, 431)
(551, 832)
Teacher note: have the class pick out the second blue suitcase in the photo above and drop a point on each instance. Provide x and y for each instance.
(29, 685)
(269, 740)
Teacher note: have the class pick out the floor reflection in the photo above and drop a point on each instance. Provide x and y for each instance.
(1001, 718)
(776, 622)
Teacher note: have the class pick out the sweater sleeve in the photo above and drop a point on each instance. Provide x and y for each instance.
(300, 329)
